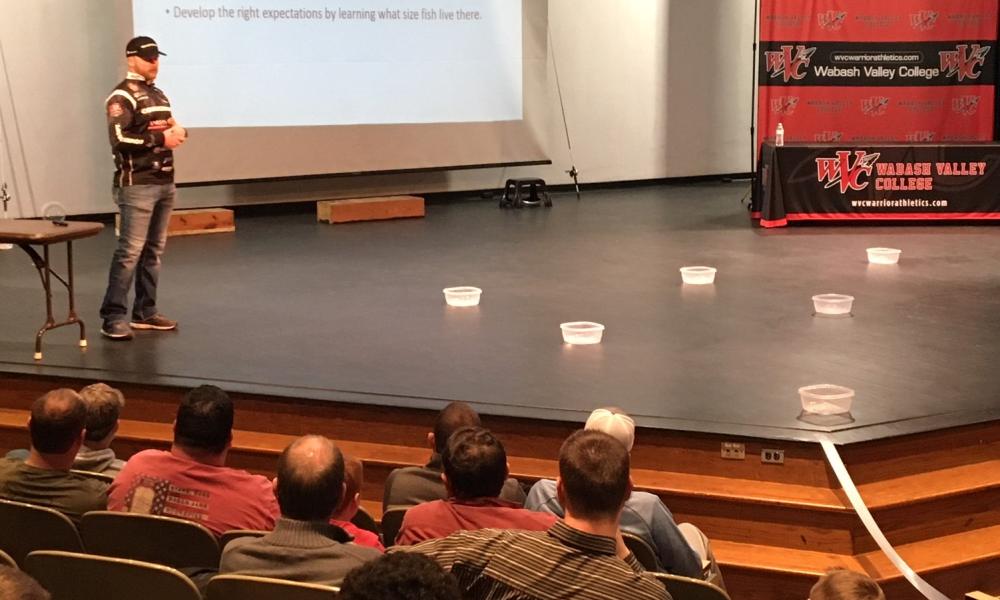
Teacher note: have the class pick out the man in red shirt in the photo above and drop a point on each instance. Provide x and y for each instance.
(354, 477)
(475, 468)
(409, 486)
(192, 481)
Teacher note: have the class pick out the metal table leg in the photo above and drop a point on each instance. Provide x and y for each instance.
(72, 318)
(45, 273)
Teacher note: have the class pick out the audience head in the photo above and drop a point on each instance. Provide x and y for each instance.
(593, 476)
(204, 420)
(354, 478)
(17, 585)
(400, 576)
(475, 464)
(614, 422)
(451, 418)
(57, 422)
(841, 584)
(104, 405)
(310, 481)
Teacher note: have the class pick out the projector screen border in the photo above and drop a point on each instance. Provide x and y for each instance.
(226, 155)
(338, 175)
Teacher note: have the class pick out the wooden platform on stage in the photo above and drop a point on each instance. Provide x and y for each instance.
(369, 209)
(774, 528)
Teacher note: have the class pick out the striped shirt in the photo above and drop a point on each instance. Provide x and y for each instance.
(561, 563)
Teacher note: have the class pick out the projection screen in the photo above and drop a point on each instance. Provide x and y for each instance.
(292, 88)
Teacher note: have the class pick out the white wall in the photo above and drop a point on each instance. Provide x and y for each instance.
(56, 69)
(652, 89)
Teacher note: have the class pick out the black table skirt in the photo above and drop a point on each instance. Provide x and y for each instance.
(822, 182)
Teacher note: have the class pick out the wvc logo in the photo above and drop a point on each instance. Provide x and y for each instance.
(965, 105)
(784, 105)
(782, 63)
(923, 20)
(828, 137)
(963, 60)
(832, 20)
(920, 136)
(844, 171)
(875, 106)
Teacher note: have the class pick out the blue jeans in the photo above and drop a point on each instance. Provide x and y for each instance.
(145, 214)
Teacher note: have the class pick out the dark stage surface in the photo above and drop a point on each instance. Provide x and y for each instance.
(291, 307)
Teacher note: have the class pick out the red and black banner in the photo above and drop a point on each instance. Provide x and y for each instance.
(857, 71)
(820, 182)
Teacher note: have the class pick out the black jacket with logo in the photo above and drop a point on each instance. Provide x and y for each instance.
(138, 114)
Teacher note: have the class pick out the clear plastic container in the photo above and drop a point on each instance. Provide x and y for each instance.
(582, 332)
(698, 275)
(462, 296)
(826, 399)
(883, 256)
(833, 305)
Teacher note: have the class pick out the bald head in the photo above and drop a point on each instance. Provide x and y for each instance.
(310, 479)
(57, 422)
(311, 454)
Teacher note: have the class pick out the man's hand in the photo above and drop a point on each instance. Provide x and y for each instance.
(173, 124)
(174, 137)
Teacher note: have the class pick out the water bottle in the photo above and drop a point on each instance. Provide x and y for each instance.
(779, 135)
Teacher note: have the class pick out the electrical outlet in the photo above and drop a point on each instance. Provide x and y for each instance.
(734, 450)
(772, 456)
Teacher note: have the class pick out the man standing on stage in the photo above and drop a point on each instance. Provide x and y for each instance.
(143, 135)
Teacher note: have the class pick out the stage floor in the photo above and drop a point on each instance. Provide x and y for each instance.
(291, 307)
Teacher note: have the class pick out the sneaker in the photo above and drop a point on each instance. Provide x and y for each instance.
(116, 330)
(157, 322)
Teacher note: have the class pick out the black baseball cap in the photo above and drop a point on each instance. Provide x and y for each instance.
(143, 47)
